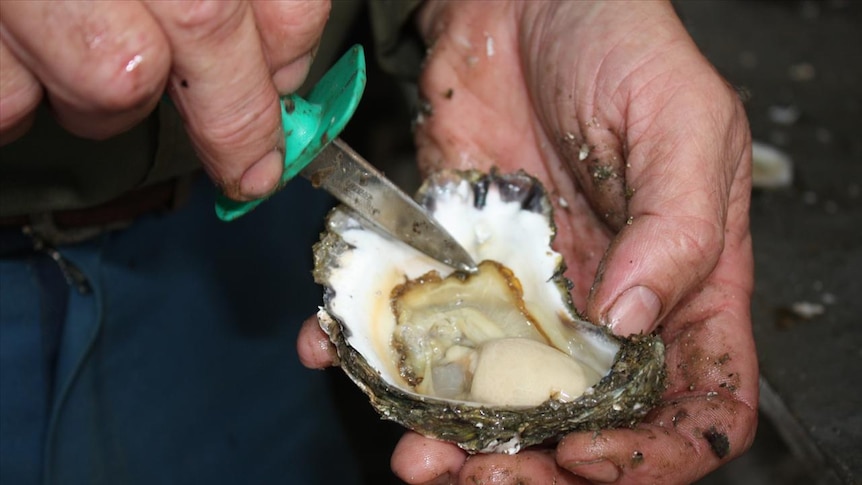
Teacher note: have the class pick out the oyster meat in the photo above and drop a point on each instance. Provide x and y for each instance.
(493, 361)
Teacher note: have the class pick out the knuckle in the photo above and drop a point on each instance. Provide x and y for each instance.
(120, 96)
(237, 128)
(298, 23)
(130, 77)
(228, 131)
(126, 94)
(202, 19)
(701, 241)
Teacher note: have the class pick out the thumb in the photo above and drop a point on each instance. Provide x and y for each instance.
(226, 61)
(650, 266)
(680, 181)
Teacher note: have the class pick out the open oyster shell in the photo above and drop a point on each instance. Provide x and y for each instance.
(451, 355)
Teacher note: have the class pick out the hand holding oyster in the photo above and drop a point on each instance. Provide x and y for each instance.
(493, 361)
(645, 152)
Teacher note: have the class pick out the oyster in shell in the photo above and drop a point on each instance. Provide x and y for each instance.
(493, 361)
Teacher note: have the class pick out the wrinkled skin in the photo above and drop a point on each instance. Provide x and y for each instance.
(104, 65)
(659, 203)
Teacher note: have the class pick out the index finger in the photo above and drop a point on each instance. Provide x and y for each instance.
(529, 466)
(688, 208)
(417, 459)
(709, 412)
(686, 440)
(222, 86)
(313, 346)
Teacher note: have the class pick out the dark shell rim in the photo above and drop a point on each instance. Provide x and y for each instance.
(622, 398)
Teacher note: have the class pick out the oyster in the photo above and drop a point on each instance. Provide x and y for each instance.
(493, 361)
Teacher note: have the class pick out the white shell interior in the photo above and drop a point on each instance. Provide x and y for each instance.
(364, 275)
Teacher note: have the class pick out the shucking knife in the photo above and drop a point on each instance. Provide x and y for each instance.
(312, 149)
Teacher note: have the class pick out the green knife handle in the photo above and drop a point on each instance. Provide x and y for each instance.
(310, 124)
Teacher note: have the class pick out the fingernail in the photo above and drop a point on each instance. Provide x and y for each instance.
(600, 471)
(290, 77)
(635, 311)
(262, 178)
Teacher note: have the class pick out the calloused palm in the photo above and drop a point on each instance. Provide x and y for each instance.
(646, 154)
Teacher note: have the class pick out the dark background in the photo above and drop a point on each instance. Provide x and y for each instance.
(799, 59)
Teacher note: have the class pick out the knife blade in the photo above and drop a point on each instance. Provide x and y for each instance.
(355, 182)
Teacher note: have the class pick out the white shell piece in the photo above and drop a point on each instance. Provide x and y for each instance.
(510, 447)
(771, 168)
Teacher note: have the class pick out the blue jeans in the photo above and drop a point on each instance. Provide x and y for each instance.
(177, 365)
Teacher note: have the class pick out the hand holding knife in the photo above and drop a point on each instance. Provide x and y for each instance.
(313, 151)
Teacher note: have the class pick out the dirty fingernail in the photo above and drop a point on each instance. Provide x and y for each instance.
(262, 178)
(635, 311)
(600, 471)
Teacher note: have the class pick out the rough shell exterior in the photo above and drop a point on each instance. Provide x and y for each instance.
(620, 399)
